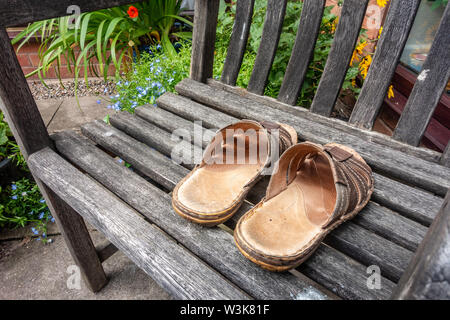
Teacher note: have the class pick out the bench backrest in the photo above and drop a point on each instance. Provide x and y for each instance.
(421, 103)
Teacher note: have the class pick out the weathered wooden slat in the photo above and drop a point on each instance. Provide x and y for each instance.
(213, 245)
(159, 139)
(238, 41)
(410, 202)
(273, 24)
(177, 270)
(372, 136)
(203, 38)
(345, 37)
(418, 172)
(347, 271)
(445, 158)
(21, 12)
(329, 271)
(184, 107)
(362, 245)
(428, 88)
(303, 50)
(173, 123)
(140, 153)
(387, 252)
(17, 102)
(427, 276)
(413, 203)
(389, 48)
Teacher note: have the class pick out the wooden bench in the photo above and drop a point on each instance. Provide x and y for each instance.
(404, 230)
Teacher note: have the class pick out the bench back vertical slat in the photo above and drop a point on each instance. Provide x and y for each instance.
(428, 88)
(389, 49)
(303, 50)
(341, 52)
(273, 24)
(445, 158)
(238, 42)
(18, 103)
(203, 38)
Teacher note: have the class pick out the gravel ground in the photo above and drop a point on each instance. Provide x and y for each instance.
(54, 88)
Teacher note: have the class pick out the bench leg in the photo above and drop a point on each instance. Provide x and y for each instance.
(77, 239)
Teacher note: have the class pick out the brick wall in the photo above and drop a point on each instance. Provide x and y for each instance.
(29, 61)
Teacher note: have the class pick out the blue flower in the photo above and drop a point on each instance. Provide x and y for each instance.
(120, 160)
(44, 235)
(99, 101)
(14, 187)
(41, 215)
(34, 230)
(52, 220)
(42, 201)
(14, 197)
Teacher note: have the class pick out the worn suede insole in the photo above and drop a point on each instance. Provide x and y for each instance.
(214, 188)
(283, 225)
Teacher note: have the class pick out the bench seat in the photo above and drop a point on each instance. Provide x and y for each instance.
(132, 206)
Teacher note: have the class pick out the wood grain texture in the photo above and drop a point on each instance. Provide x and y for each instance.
(303, 50)
(367, 247)
(238, 41)
(77, 239)
(345, 38)
(372, 136)
(203, 38)
(134, 152)
(428, 88)
(273, 24)
(177, 270)
(396, 29)
(21, 12)
(428, 276)
(173, 123)
(17, 102)
(445, 158)
(420, 173)
(214, 245)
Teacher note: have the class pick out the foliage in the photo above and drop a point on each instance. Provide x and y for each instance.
(8, 146)
(153, 74)
(21, 204)
(111, 36)
(284, 50)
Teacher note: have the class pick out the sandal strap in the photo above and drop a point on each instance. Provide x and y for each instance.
(217, 147)
(351, 176)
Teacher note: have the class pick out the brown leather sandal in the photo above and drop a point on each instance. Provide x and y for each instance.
(232, 163)
(315, 189)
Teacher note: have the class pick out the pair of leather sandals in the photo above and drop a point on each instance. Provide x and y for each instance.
(312, 190)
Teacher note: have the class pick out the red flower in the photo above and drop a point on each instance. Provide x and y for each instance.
(133, 12)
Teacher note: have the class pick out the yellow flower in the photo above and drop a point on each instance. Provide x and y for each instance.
(354, 82)
(360, 47)
(364, 65)
(334, 25)
(391, 91)
(380, 31)
(382, 3)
